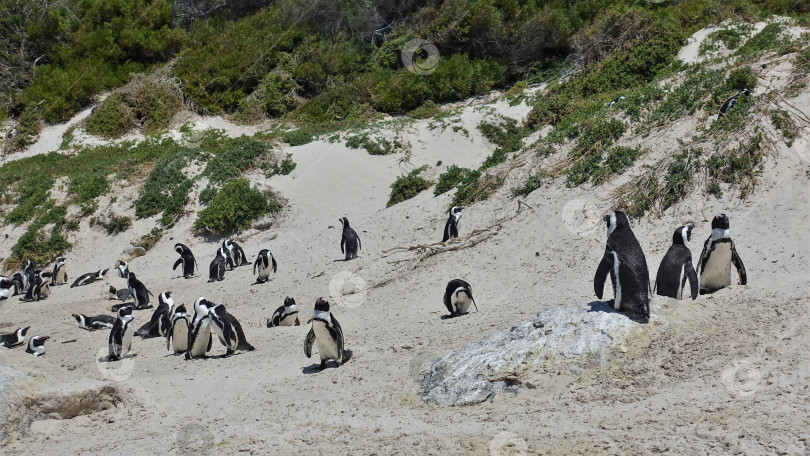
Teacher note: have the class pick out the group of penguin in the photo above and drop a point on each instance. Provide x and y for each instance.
(624, 261)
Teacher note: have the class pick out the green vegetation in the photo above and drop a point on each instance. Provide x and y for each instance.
(426, 111)
(730, 37)
(117, 224)
(112, 119)
(28, 129)
(534, 182)
(785, 124)
(587, 154)
(235, 208)
(738, 166)
(374, 146)
(166, 189)
(233, 156)
(408, 186)
(455, 177)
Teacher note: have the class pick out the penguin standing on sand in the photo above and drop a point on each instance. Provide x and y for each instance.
(625, 262)
(36, 345)
(28, 274)
(237, 254)
(286, 315)
(186, 259)
(139, 292)
(94, 323)
(89, 278)
(14, 339)
(719, 253)
(350, 240)
(120, 341)
(161, 318)
(228, 329)
(263, 262)
(17, 280)
(199, 338)
(38, 287)
(451, 227)
(676, 267)
(458, 297)
(123, 269)
(327, 331)
(216, 271)
(59, 275)
(178, 336)
(731, 102)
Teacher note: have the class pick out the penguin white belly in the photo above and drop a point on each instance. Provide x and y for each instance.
(717, 272)
(126, 340)
(4, 293)
(180, 337)
(327, 347)
(617, 298)
(288, 320)
(460, 301)
(264, 273)
(200, 346)
(60, 277)
(681, 283)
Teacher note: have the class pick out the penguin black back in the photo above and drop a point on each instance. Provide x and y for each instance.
(349, 239)
(676, 267)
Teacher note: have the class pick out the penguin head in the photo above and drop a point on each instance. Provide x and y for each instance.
(456, 210)
(22, 331)
(37, 341)
(102, 273)
(322, 305)
(344, 222)
(616, 219)
(125, 312)
(180, 309)
(288, 301)
(166, 298)
(60, 260)
(179, 248)
(683, 235)
(131, 275)
(201, 303)
(720, 221)
(79, 318)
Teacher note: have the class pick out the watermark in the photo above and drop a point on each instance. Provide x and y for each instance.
(419, 363)
(741, 377)
(116, 371)
(664, 306)
(194, 439)
(508, 444)
(194, 138)
(420, 56)
(348, 289)
(582, 217)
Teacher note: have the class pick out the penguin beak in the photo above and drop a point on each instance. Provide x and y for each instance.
(606, 218)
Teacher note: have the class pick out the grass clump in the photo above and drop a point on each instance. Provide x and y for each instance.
(40, 245)
(374, 146)
(117, 224)
(785, 124)
(426, 111)
(587, 154)
(730, 37)
(31, 196)
(408, 186)
(761, 43)
(741, 78)
(507, 135)
(283, 167)
(274, 96)
(455, 177)
(534, 182)
(86, 187)
(167, 187)
(112, 119)
(28, 128)
(233, 156)
(738, 166)
(688, 97)
(147, 241)
(235, 207)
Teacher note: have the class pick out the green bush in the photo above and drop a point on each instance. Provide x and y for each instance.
(167, 187)
(739, 166)
(112, 118)
(274, 97)
(406, 187)
(283, 168)
(32, 195)
(86, 187)
(426, 111)
(374, 146)
(37, 245)
(453, 177)
(741, 78)
(28, 128)
(233, 156)
(235, 207)
(587, 153)
(118, 225)
(534, 182)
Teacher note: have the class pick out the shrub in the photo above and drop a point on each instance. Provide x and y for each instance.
(32, 195)
(453, 177)
(426, 111)
(274, 96)
(28, 128)
(406, 187)
(739, 166)
(86, 187)
(235, 207)
(147, 241)
(784, 123)
(166, 189)
(38, 245)
(741, 78)
(112, 118)
(285, 167)
(233, 156)
(374, 146)
(534, 182)
(118, 225)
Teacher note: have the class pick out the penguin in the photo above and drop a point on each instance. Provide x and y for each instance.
(719, 253)
(237, 255)
(451, 227)
(123, 269)
(14, 339)
(89, 278)
(615, 101)
(59, 275)
(120, 341)
(458, 297)
(6, 286)
(349, 239)
(94, 323)
(229, 253)
(286, 315)
(17, 280)
(216, 271)
(186, 259)
(36, 345)
(676, 267)
(28, 274)
(327, 331)
(731, 102)
(138, 290)
(178, 336)
(625, 262)
(38, 287)
(228, 329)
(161, 319)
(122, 294)
(199, 337)
(263, 262)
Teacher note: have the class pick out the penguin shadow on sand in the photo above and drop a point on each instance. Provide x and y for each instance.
(116, 307)
(106, 359)
(315, 368)
(607, 307)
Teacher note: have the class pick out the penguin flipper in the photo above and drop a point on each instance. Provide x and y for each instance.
(605, 266)
(339, 338)
(308, 343)
(703, 258)
(342, 241)
(693, 279)
(177, 263)
(256, 263)
(735, 259)
(447, 303)
(275, 265)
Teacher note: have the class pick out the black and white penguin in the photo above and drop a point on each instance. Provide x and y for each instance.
(676, 267)
(89, 278)
(19, 287)
(59, 274)
(625, 262)
(178, 336)
(731, 102)
(228, 329)
(615, 101)
(94, 323)
(123, 269)
(216, 271)
(451, 227)
(186, 259)
(350, 240)
(236, 253)
(139, 292)
(199, 337)
(327, 331)
(38, 287)
(719, 253)
(28, 274)
(158, 325)
(14, 339)
(458, 297)
(286, 315)
(36, 345)
(7, 285)
(263, 262)
(120, 341)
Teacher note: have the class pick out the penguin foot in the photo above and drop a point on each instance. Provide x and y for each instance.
(323, 364)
